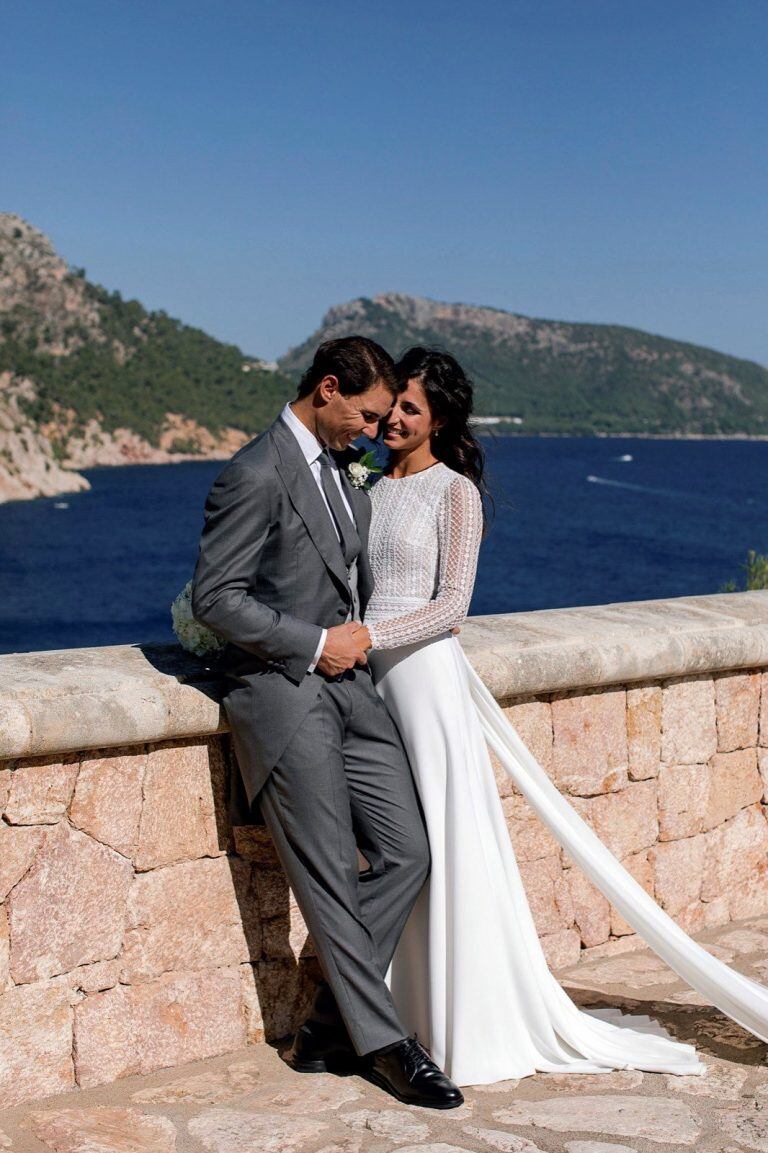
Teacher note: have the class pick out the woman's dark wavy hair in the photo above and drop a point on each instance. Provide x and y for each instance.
(449, 393)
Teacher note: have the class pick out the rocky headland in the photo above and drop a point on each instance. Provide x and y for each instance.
(75, 363)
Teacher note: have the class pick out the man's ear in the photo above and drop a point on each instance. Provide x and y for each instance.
(327, 388)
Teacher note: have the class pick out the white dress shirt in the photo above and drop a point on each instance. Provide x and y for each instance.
(312, 450)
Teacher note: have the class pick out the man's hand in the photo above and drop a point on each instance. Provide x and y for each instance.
(363, 637)
(344, 648)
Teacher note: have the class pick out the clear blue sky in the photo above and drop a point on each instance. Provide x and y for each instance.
(244, 165)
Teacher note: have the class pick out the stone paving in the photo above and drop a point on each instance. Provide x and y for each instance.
(249, 1102)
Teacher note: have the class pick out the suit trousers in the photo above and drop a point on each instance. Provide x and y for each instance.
(344, 782)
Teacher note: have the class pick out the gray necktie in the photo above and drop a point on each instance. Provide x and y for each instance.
(350, 541)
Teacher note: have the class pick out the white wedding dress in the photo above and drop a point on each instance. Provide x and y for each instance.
(469, 976)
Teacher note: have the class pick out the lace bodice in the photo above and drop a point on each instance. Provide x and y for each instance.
(423, 546)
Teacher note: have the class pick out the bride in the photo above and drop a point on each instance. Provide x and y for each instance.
(469, 976)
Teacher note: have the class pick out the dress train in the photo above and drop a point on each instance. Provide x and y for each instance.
(469, 975)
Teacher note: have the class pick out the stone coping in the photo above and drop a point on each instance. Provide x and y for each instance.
(71, 699)
(524, 654)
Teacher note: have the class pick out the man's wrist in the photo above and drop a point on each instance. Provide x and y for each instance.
(318, 651)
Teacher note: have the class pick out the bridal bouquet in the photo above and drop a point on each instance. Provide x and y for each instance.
(194, 637)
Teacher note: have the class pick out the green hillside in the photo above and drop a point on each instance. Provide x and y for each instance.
(88, 350)
(169, 367)
(566, 378)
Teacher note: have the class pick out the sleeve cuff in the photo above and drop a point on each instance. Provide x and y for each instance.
(318, 651)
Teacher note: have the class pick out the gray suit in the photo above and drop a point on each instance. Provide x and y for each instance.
(322, 754)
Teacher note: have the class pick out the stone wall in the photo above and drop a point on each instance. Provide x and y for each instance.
(138, 930)
(673, 779)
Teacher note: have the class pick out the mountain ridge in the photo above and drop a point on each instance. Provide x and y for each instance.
(565, 376)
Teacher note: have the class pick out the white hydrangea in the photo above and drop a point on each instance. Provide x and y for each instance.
(192, 636)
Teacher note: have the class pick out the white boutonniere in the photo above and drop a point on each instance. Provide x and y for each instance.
(360, 471)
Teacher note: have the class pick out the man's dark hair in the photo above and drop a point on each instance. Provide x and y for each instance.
(357, 363)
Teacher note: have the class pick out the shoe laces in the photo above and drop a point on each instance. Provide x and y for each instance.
(415, 1056)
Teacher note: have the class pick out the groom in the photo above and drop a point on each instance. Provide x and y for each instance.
(283, 576)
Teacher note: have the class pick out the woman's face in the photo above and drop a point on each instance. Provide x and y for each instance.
(409, 422)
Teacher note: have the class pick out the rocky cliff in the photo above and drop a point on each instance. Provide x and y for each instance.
(87, 378)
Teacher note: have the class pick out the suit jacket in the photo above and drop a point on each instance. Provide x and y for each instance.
(270, 576)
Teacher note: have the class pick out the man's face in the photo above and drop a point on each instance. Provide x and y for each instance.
(343, 419)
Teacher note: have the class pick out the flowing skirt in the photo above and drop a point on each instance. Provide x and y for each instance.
(469, 976)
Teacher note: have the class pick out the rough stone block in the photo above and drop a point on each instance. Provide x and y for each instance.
(254, 1020)
(562, 948)
(532, 721)
(656, 1119)
(285, 992)
(750, 897)
(683, 800)
(35, 1042)
(178, 819)
(701, 915)
(274, 895)
(589, 754)
(591, 910)
(689, 729)
(177, 1017)
(763, 728)
(736, 853)
(107, 800)
(40, 791)
(643, 731)
(717, 912)
(94, 978)
(5, 949)
(18, 847)
(287, 936)
(5, 785)
(245, 1131)
(640, 867)
(625, 822)
(254, 843)
(531, 839)
(678, 868)
(103, 1129)
(69, 908)
(737, 703)
(548, 893)
(762, 764)
(628, 943)
(183, 917)
(735, 782)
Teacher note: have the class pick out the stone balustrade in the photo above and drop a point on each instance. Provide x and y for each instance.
(138, 930)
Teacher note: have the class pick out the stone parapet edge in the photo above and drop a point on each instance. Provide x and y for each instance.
(73, 699)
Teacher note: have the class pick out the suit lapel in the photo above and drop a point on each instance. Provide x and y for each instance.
(306, 499)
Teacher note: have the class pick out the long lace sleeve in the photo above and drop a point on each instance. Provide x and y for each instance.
(460, 525)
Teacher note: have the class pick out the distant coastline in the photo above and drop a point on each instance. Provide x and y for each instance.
(496, 430)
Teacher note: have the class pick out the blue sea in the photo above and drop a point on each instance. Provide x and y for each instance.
(578, 521)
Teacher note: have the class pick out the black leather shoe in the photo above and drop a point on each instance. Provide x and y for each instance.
(319, 1048)
(410, 1075)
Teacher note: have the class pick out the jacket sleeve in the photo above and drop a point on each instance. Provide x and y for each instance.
(459, 532)
(238, 516)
